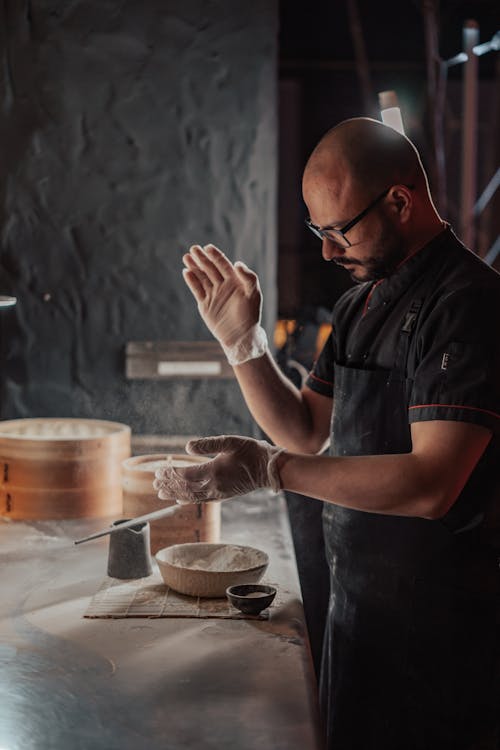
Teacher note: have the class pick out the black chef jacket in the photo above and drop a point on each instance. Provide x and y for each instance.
(453, 364)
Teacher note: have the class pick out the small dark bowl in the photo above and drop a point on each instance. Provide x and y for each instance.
(250, 598)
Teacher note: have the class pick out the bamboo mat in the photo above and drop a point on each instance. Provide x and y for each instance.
(150, 597)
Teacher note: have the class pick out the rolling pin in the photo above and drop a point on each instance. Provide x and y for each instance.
(170, 511)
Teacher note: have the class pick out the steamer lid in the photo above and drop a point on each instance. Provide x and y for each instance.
(49, 428)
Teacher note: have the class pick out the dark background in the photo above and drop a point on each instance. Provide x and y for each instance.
(319, 86)
(131, 130)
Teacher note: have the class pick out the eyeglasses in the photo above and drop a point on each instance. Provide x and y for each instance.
(338, 235)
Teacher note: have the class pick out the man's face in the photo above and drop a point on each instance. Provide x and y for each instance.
(377, 245)
(374, 257)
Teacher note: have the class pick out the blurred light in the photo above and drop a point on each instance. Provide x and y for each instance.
(493, 44)
(488, 193)
(392, 117)
(460, 58)
(324, 331)
(470, 32)
(493, 252)
(282, 331)
(390, 111)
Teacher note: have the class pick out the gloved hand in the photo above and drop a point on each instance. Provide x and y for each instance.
(229, 301)
(242, 465)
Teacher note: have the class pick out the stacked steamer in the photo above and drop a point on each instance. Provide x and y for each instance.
(191, 523)
(61, 468)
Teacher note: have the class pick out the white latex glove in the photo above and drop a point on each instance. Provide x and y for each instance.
(242, 465)
(229, 301)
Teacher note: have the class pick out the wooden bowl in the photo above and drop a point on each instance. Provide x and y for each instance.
(207, 570)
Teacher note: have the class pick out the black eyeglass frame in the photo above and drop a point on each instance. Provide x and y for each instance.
(322, 232)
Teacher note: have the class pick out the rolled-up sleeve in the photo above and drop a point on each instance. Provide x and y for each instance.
(457, 376)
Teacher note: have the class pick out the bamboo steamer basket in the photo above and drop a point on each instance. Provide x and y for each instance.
(61, 468)
(191, 523)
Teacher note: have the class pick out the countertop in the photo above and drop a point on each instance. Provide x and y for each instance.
(104, 684)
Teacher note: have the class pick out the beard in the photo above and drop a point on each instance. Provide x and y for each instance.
(389, 250)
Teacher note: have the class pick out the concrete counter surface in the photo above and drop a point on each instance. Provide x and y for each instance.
(122, 684)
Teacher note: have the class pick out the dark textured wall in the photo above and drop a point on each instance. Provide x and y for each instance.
(129, 131)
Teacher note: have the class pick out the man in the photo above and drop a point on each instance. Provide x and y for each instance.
(406, 391)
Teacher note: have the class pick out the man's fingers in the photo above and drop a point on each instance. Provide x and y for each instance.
(245, 271)
(212, 262)
(174, 476)
(194, 284)
(206, 265)
(205, 446)
(202, 279)
(192, 265)
(184, 500)
(198, 272)
(220, 261)
(190, 262)
(212, 445)
(189, 485)
(247, 277)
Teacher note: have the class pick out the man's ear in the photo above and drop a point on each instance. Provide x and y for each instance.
(400, 202)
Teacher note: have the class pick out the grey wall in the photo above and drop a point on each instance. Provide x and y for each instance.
(129, 131)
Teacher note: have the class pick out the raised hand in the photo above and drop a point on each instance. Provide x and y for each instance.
(229, 301)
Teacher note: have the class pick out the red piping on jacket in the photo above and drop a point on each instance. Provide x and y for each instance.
(457, 406)
(367, 301)
(315, 377)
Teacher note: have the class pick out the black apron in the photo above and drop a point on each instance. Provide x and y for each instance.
(409, 650)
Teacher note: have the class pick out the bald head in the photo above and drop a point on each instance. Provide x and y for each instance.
(366, 180)
(366, 155)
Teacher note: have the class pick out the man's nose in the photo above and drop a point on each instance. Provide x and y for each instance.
(330, 250)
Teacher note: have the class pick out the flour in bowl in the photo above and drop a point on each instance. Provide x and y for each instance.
(226, 558)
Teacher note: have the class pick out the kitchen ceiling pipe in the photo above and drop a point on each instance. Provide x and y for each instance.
(469, 134)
